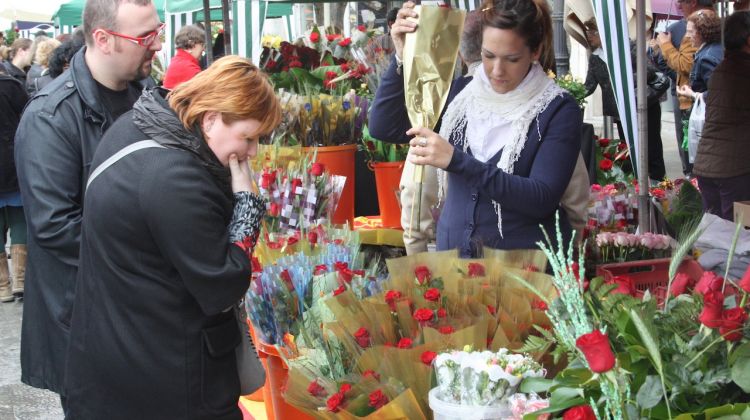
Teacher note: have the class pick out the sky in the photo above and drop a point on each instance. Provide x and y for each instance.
(38, 6)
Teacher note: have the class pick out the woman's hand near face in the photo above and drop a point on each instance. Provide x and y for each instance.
(428, 148)
(402, 26)
(685, 90)
(242, 178)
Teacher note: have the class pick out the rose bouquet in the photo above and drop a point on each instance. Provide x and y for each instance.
(320, 120)
(482, 378)
(612, 207)
(622, 246)
(379, 151)
(613, 162)
(632, 357)
(680, 204)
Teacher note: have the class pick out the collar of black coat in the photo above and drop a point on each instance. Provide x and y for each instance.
(86, 86)
(154, 117)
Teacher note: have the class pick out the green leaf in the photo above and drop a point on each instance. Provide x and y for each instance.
(741, 373)
(573, 377)
(537, 385)
(649, 339)
(650, 393)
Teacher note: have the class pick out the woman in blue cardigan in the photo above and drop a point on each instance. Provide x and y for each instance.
(508, 139)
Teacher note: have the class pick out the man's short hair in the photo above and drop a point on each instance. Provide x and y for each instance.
(471, 38)
(391, 16)
(705, 3)
(737, 30)
(103, 14)
(188, 36)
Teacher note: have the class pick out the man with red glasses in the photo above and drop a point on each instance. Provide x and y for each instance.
(56, 140)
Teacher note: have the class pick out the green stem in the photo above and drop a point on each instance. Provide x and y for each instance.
(697, 356)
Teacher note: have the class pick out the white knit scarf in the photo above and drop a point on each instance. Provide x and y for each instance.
(519, 106)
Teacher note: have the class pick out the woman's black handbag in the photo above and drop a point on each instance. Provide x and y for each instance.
(250, 370)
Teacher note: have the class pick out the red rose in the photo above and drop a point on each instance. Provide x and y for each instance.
(539, 305)
(362, 336)
(404, 343)
(605, 164)
(603, 142)
(745, 281)
(390, 298)
(274, 210)
(346, 275)
(492, 310)
(446, 329)
(287, 279)
(345, 42)
(442, 313)
(316, 390)
(433, 295)
(320, 269)
(680, 284)
(314, 37)
(312, 237)
(341, 289)
(581, 412)
(332, 37)
(331, 75)
(625, 285)
(422, 274)
(345, 388)
(708, 282)
(371, 373)
(428, 356)
(335, 403)
(292, 240)
(595, 347)
(377, 399)
(294, 64)
(621, 146)
(607, 155)
(732, 322)
(713, 306)
(317, 169)
(424, 315)
(476, 270)
(344, 68)
(267, 178)
(361, 28)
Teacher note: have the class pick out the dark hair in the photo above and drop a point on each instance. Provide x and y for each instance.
(705, 3)
(707, 25)
(391, 16)
(737, 30)
(471, 38)
(103, 14)
(528, 18)
(62, 55)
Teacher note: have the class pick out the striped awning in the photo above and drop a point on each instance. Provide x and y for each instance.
(612, 20)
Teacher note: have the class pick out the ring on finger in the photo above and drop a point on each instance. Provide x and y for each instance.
(423, 142)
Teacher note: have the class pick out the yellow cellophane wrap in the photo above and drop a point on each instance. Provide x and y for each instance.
(429, 60)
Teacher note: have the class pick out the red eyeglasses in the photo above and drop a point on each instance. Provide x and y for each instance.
(143, 41)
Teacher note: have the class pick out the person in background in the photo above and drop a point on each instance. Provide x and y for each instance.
(509, 138)
(13, 99)
(62, 55)
(722, 162)
(19, 58)
(598, 75)
(190, 42)
(384, 42)
(704, 28)
(184, 251)
(35, 70)
(41, 59)
(674, 56)
(741, 5)
(55, 144)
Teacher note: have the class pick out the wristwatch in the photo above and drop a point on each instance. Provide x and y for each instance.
(399, 65)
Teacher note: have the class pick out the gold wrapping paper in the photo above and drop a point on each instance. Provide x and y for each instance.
(429, 60)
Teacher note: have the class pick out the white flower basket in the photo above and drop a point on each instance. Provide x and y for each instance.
(448, 411)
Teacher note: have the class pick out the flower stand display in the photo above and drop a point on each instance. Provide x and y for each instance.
(387, 179)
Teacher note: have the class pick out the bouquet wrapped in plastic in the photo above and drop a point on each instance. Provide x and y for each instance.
(482, 378)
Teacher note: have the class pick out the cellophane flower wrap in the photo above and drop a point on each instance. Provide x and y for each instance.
(482, 378)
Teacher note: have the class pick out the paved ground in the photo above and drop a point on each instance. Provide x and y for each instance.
(18, 401)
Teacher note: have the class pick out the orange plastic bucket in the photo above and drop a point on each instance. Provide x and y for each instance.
(339, 160)
(387, 179)
(276, 376)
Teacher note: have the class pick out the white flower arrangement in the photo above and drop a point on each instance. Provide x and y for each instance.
(482, 378)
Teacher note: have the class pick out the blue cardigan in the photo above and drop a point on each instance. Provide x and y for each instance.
(528, 197)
